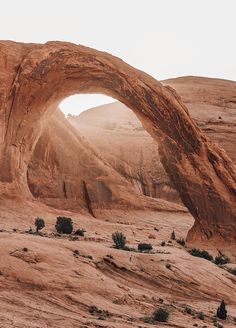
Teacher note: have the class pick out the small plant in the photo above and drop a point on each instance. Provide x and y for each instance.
(232, 271)
(76, 253)
(188, 310)
(119, 240)
(221, 259)
(39, 223)
(201, 253)
(201, 316)
(102, 314)
(64, 225)
(163, 243)
(221, 312)
(168, 266)
(172, 236)
(25, 249)
(79, 232)
(161, 315)
(143, 247)
(181, 241)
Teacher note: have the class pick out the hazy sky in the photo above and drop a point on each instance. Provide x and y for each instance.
(165, 38)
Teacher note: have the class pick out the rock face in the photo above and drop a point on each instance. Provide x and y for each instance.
(120, 138)
(35, 78)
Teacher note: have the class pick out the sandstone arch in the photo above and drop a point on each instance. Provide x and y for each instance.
(35, 78)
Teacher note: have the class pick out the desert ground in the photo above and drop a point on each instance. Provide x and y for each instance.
(48, 280)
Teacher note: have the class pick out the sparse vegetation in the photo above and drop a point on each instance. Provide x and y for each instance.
(168, 266)
(221, 311)
(102, 314)
(25, 249)
(79, 232)
(161, 314)
(201, 316)
(172, 236)
(232, 271)
(64, 225)
(119, 239)
(163, 243)
(39, 223)
(181, 241)
(188, 310)
(201, 253)
(144, 247)
(221, 259)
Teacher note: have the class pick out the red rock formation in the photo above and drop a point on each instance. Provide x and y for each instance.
(34, 80)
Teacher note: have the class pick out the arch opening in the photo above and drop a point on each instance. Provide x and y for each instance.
(116, 135)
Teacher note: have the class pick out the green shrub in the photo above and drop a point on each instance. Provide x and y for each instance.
(79, 232)
(181, 241)
(188, 310)
(64, 225)
(172, 236)
(161, 315)
(102, 314)
(221, 259)
(119, 240)
(201, 316)
(232, 271)
(143, 247)
(221, 312)
(39, 223)
(201, 253)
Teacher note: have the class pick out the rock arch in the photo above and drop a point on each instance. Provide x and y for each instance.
(35, 78)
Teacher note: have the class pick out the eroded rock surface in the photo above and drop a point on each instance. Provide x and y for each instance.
(120, 138)
(35, 78)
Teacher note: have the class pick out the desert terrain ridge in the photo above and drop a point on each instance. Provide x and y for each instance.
(53, 280)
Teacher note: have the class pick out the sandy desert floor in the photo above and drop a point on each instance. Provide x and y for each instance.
(53, 281)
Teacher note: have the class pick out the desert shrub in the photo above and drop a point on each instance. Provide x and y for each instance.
(102, 314)
(39, 223)
(163, 243)
(79, 232)
(25, 249)
(221, 259)
(64, 225)
(188, 310)
(221, 312)
(172, 236)
(201, 253)
(119, 239)
(168, 266)
(76, 252)
(201, 316)
(161, 315)
(144, 247)
(181, 241)
(232, 271)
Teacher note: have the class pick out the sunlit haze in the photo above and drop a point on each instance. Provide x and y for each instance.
(165, 38)
(78, 103)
